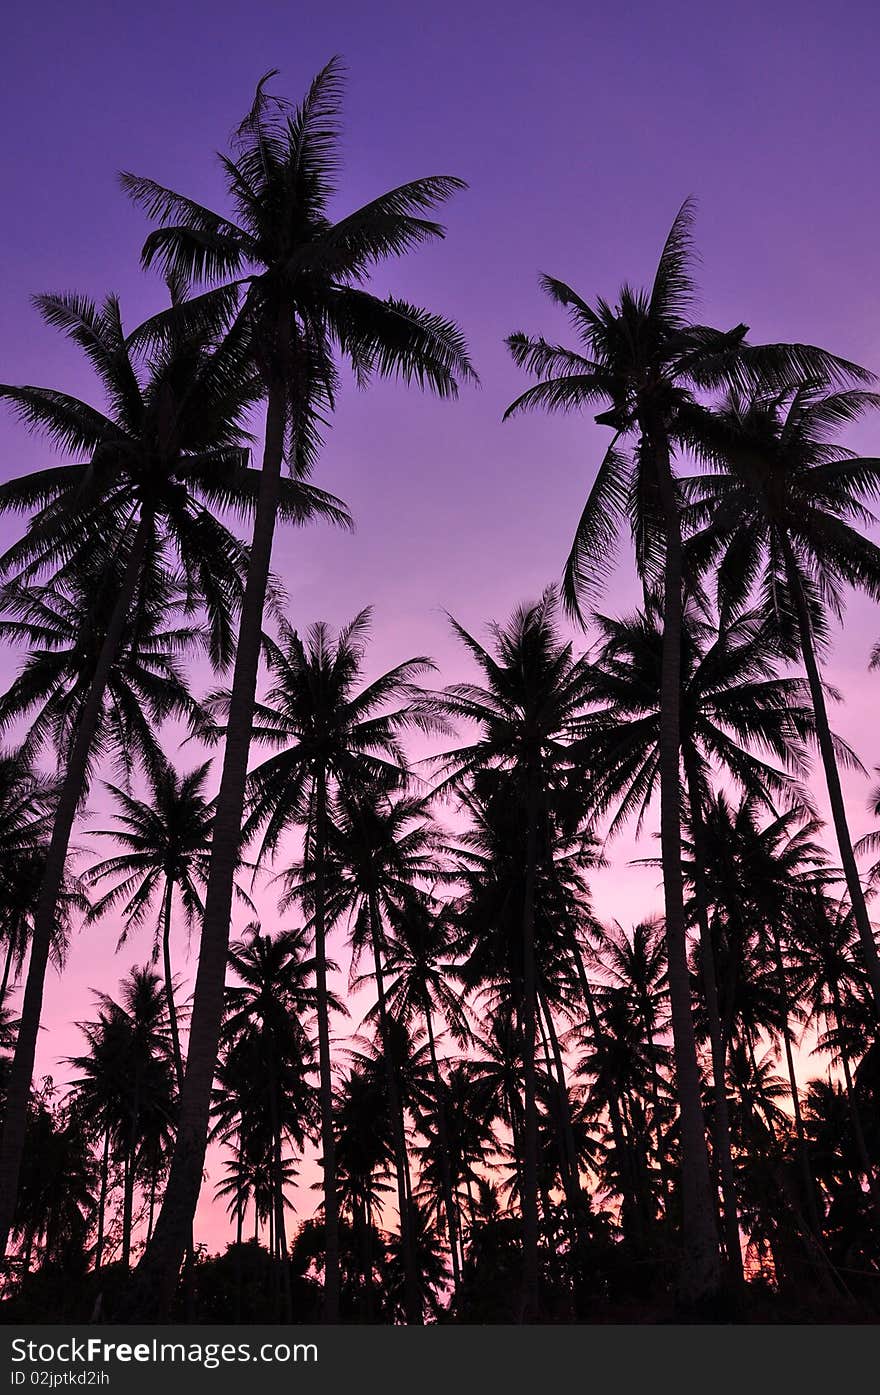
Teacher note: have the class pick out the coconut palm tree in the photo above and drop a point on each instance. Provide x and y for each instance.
(56, 1204)
(527, 713)
(126, 1083)
(329, 729)
(736, 717)
(268, 1011)
(382, 852)
(293, 280)
(783, 508)
(65, 624)
(780, 866)
(417, 989)
(365, 1157)
(645, 361)
(166, 843)
(824, 953)
(137, 502)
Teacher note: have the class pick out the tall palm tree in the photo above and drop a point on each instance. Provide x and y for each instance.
(784, 509)
(137, 502)
(736, 717)
(528, 712)
(65, 623)
(294, 280)
(330, 730)
(645, 359)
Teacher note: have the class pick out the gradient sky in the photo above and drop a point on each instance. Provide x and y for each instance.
(580, 129)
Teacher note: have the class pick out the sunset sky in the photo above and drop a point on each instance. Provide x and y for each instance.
(580, 129)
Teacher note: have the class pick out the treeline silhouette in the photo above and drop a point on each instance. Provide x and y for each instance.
(537, 1116)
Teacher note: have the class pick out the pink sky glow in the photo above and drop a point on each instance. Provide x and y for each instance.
(580, 130)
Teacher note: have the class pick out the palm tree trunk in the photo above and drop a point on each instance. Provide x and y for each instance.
(646, 1015)
(160, 1265)
(700, 1278)
(413, 1304)
(852, 1102)
(169, 983)
(368, 1246)
(7, 966)
(328, 1136)
(129, 1172)
(102, 1200)
(832, 779)
(448, 1204)
(152, 1203)
(529, 1299)
(281, 1231)
(69, 800)
(723, 1150)
(239, 1240)
(556, 1067)
(127, 1205)
(601, 1048)
(803, 1151)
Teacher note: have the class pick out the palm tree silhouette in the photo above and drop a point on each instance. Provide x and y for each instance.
(137, 503)
(267, 1012)
(293, 282)
(330, 730)
(646, 359)
(783, 506)
(734, 713)
(165, 841)
(527, 713)
(382, 851)
(126, 1084)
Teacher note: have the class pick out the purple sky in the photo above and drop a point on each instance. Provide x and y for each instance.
(580, 129)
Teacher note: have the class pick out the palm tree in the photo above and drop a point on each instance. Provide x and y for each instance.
(528, 713)
(166, 843)
(330, 730)
(295, 286)
(65, 622)
(634, 962)
(138, 502)
(419, 986)
(646, 359)
(126, 1084)
(267, 1014)
(734, 713)
(783, 508)
(365, 1156)
(488, 863)
(382, 852)
(824, 948)
(780, 867)
(56, 1204)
